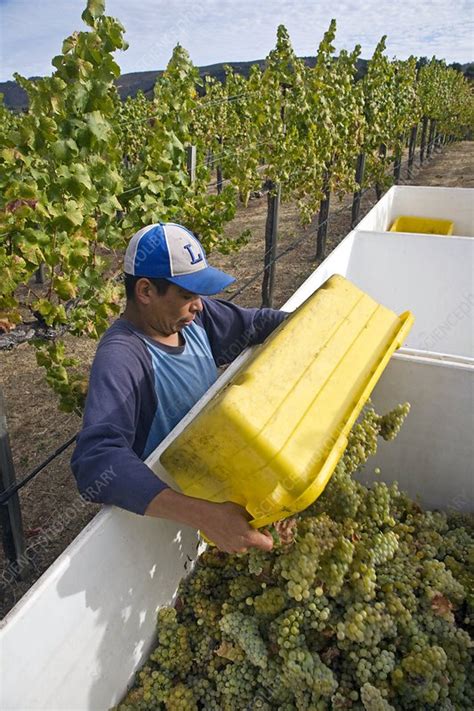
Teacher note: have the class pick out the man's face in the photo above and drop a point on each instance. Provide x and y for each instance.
(170, 312)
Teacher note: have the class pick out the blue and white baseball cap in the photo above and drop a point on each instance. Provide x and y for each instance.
(169, 251)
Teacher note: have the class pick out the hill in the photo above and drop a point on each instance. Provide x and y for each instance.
(129, 84)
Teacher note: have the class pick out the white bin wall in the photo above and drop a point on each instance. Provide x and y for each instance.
(76, 639)
(455, 204)
(433, 456)
(431, 276)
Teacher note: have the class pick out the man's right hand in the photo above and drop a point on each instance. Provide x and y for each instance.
(226, 525)
(229, 529)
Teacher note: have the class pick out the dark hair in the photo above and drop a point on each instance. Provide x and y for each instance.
(161, 285)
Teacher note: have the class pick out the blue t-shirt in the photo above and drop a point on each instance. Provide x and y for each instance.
(140, 389)
(180, 380)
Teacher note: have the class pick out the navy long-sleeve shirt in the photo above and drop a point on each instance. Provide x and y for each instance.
(140, 389)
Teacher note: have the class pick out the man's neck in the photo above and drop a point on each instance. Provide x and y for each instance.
(173, 339)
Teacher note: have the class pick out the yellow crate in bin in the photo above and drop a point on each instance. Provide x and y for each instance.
(425, 225)
(272, 437)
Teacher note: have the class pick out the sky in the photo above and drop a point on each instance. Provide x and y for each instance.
(212, 31)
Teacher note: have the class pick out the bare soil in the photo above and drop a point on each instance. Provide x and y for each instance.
(53, 513)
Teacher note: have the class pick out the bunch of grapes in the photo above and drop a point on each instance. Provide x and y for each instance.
(366, 602)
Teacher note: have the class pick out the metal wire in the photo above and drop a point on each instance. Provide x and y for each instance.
(202, 104)
(8, 493)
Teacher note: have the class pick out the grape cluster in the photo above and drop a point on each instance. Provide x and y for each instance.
(244, 630)
(373, 700)
(366, 623)
(362, 441)
(391, 423)
(365, 602)
(270, 602)
(173, 653)
(384, 546)
(235, 684)
(181, 698)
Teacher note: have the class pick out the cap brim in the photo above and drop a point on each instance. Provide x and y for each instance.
(207, 281)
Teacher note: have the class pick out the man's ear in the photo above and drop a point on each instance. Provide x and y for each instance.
(143, 291)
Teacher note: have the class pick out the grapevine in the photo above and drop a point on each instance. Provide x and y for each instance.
(81, 171)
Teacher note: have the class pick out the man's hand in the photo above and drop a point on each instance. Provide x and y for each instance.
(226, 525)
(228, 528)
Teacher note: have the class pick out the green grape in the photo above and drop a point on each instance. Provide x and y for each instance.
(335, 565)
(271, 681)
(244, 630)
(270, 602)
(391, 423)
(362, 441)
(299, 564)
(459, 543)
(173, 653)
(457, 519)
(236, 685)
(257, 561)
(420, 675)
(376, 506)
(341, 498)
(384, 546)
(181, 698)
(373, 699)
(243, 586)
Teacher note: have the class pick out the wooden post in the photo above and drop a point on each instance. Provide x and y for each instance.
(10, 512)
(424, 129)
(220, 179)
(271, 226)
(436, 136)
(397, 166)
(271, 241)
(411, 150)
(323, 220)
(40, 274)
(382, 154)
(219, 170)
(191, 162)
(429, 148)
(360, 167)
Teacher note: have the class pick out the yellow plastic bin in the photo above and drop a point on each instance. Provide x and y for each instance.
(272, 438)
(425, 225)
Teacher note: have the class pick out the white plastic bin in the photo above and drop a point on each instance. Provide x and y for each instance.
(454, 204)
(75, 640)
(433, 456)
(431, 276)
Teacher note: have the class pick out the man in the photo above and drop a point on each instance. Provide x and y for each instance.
(152, 365)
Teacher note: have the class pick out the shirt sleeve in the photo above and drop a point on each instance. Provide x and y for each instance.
(231, 328)
(106, 467)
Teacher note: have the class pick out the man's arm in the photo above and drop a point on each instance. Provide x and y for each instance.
(231, 328)
(119, 409)
(226, 524)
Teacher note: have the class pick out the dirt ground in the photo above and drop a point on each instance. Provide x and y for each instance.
(53, 513)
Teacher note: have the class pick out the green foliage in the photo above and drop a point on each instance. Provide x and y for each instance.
(60, 174)
(81, 171)
(166, 192)
(447, 97)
